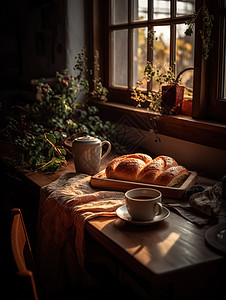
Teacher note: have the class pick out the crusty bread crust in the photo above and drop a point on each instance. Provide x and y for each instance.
(152, 170)
(172, 176)
(163, 170)
(127, 167)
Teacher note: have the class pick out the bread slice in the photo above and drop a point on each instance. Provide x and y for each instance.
(172, 176)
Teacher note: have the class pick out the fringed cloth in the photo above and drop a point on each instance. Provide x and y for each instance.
(65, 205)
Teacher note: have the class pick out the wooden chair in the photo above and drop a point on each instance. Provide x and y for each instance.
(28, 288)
(23, 258)
(26, 281)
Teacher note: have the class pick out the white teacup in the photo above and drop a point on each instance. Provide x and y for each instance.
(143, 204)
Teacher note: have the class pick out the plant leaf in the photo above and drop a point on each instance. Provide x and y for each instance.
(51, 138)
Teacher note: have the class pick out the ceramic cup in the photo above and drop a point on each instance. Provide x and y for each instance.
(87, 154)
(143, 204)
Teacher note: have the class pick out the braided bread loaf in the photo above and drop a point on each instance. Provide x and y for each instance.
(163, 170)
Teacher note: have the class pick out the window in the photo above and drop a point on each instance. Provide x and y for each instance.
(141, 31)
(123, 34)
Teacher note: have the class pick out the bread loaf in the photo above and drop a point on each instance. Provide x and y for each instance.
(127, 167)
(163, 170)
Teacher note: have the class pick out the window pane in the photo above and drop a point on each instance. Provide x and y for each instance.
(161, 43)
(185, 7)
(119, 57)
(139, 10)
(161, 50)
(139, 53)
(119, 11)
(184, 54)
(161, 9)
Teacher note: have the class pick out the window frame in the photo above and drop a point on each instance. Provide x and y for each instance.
(217, 104)
(202, 122)
(204, 100)
(121, 94)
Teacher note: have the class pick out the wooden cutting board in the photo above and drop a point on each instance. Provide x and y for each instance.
(176, 192)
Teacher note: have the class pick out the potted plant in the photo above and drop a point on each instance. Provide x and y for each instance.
(172, 97)
(173, 94)
(168, 95)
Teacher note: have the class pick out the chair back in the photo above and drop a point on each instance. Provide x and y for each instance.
(23, 258)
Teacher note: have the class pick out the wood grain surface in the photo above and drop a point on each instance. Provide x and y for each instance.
(156, 250)
(166, 254)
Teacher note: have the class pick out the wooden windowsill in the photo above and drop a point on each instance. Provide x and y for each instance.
(183, 127)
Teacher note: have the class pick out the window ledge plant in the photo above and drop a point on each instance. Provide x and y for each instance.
(165, 84)
(167, 97)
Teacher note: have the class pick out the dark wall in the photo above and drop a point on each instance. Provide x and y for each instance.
(32, 41)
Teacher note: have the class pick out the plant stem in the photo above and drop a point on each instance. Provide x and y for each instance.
(54, 147)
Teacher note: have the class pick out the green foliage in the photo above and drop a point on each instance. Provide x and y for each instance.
(88, 122)
(153, 98)
(151, 72)
(99, 90)
(207, 43)
(39, 129)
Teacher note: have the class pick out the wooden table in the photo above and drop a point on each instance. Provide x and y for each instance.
(171, 258)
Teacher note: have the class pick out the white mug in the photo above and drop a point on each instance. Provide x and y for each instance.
(143, 204)
(87, 154)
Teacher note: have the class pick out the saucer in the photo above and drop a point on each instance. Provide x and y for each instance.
(216, 237)
(123, 214)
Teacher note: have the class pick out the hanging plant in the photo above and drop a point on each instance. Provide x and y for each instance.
(207, 43)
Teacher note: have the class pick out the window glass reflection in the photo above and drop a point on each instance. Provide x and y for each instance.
(184, 56)
(161, 44)
(119, 57)
(139, 10)
(119, 11)
(185, 7)
(161, 50)
(161, 9)
(139, 53)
